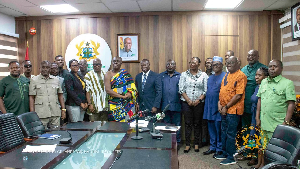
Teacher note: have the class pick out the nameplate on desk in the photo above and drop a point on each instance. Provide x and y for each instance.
(141, 123)
(49, 136)
(39, 149)
(167, 128)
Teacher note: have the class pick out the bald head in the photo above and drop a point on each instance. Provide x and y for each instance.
(252, 57)
(97, 65)
(228, 54)
(232, 64)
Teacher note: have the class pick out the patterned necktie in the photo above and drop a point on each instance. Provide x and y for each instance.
(143, 81)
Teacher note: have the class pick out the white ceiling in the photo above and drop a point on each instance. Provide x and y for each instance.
(31, 7)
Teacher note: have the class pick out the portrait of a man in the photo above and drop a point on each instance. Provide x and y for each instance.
(128, 47)
(295, 15)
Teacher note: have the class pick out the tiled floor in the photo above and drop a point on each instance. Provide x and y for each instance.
(193, 160)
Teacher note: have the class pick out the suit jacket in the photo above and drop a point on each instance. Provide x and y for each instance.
(75, 91)
(296, 28)
(151, 95)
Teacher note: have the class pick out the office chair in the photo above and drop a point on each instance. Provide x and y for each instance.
(30, 124)
(283, 148)
(10, 133)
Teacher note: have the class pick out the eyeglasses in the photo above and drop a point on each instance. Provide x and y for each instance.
(97, 64)
(74, 65)
(171, 64)
(215, 65)
(27, 66)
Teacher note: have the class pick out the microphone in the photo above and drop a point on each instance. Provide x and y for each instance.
(138, 114)
(158, 116)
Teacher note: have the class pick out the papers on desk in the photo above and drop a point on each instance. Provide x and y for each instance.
(167, 128)
(39, 149)
(142, 123)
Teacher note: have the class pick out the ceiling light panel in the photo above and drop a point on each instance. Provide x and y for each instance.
(61, 8)
(222, 4)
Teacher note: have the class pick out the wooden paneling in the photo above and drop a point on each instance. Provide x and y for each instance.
(163, 35)
(8, 53)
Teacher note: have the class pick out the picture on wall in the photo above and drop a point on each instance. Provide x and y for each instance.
(295, 15)
(128, 47)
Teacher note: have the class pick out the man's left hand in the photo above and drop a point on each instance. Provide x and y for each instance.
(154, 110)
(223, 111)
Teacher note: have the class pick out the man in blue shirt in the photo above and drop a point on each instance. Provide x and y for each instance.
(170, 79)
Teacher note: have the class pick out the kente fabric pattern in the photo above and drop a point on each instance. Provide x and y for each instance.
(122, 83)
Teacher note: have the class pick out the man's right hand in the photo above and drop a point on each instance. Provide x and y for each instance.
(91, 108)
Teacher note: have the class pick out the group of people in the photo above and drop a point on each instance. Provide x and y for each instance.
(216, 102)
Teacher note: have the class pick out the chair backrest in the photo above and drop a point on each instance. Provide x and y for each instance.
(10, 133)
(284, 146)
(30, 124)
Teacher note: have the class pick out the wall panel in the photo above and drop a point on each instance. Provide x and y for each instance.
(163, 35)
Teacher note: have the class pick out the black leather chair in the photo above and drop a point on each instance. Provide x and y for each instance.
(283, 147)
(10, 133)
(30, 124)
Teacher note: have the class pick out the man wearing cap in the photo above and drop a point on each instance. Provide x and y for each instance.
(211, 113)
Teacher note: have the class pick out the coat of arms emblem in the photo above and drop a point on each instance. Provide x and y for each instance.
(87, 51)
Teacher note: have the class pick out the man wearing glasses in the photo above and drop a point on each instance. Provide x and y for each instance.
(95, 92)
(211, 112)
(27, 69)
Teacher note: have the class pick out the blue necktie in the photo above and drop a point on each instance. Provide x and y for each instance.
(143, 81)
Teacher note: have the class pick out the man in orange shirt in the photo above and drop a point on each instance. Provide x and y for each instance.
(231, 107)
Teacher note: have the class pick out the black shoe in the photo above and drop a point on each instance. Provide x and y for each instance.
(209, 152)
(197, 150)
(217, 154)
(186, 151)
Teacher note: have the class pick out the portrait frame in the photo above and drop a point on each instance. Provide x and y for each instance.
(294, 26)
(132, 54)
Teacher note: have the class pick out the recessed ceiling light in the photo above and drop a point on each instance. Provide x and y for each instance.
(61, 8)
(222, 4)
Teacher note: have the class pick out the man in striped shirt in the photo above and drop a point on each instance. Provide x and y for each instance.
(95, 92)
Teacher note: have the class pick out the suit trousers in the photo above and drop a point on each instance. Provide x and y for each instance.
(76, 113)
(193, 117)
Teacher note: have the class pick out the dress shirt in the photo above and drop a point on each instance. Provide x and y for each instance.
(274, 94)
(46, 95)
(193, 85)
(170, 90)
(233, 84)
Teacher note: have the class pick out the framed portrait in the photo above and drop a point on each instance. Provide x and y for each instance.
(295, 25)
(128, 47)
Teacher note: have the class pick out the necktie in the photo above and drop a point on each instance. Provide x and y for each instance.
(143, 81)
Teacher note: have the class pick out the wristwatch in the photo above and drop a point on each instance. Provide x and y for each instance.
(64, 109)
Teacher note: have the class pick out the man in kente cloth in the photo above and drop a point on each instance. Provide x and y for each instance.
(121, 89)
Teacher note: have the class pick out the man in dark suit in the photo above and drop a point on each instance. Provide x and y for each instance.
(149, 88)
(296, 27)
